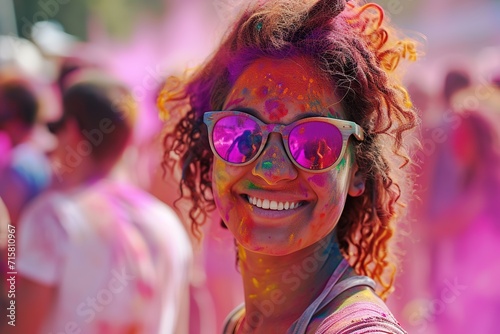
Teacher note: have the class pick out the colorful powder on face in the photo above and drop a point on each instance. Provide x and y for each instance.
(252, 186)
(318, 179)
(341, 165)
(332, 113)
(244, 230)
(291, 238)
(276, 109)
(221, 175)
(234, 102)
(267, 165)
(262, 92)
(314, 104)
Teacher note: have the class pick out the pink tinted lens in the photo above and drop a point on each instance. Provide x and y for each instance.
(236, 139)
(315, 145)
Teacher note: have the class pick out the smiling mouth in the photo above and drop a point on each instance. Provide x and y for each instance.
(268, 204)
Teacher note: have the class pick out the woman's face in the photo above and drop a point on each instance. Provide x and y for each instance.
(282, 91)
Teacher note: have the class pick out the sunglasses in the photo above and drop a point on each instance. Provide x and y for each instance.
(314, 144)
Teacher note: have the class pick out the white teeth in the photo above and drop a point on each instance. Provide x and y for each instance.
(272, 205)
(265, 204)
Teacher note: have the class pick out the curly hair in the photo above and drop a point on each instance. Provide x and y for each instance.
(353, 46)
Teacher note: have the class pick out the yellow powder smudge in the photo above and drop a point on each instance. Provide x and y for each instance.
(244, 229)
(270, 288)
(255, 282)
(242, 254)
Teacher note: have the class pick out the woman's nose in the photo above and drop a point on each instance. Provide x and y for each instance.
(274, 165)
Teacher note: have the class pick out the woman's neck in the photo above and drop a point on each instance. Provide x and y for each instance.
(278, 289)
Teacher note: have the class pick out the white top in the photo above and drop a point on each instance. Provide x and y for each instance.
(119, 257)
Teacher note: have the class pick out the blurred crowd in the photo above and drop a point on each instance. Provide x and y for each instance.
(81, 182)
(83, 194)
(452, 238)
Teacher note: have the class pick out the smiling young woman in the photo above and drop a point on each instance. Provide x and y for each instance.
(287, 91)
(294, 131)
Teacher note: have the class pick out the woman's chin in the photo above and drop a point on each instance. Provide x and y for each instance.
(271, 248)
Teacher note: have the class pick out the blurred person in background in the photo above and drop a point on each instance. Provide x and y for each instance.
(460, 217)
(24, 168)
(96, 255)
(411, 283)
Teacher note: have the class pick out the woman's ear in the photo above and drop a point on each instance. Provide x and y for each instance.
(357, 181)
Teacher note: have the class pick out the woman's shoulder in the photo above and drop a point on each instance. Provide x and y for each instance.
(358, 310)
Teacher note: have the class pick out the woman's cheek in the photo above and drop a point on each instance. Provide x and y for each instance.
(330, 187)
(221, 188)
(324, 185)
(221, 177)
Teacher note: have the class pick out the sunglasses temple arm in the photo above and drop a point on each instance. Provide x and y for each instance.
(359, 133)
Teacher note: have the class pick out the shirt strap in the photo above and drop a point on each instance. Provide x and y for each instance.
(300, 325)
(232, 319)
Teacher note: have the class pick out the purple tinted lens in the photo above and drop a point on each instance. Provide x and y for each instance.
(237, 139)
(315, 145)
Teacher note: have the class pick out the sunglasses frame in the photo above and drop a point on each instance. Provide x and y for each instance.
(346, 128)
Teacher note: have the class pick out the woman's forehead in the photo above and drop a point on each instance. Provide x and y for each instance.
(297, 73)
(277, 83)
